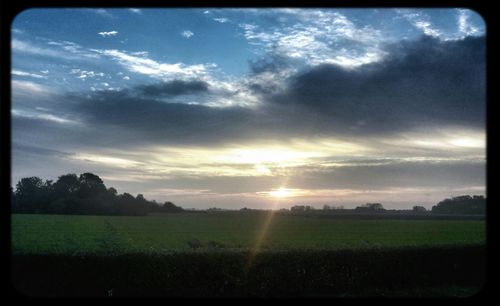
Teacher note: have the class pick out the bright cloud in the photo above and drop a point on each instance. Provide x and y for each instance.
(135, 10)
(26, 47)
(103, 12)
(28, 74)
(84, 74)
(221, 20)
(465, 27)
(28, 88)
(187, 34)
(316, 40)
(111, 33)
(42, 116)
(421, 21)
(152, 68)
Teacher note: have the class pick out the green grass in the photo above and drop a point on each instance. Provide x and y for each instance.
(63, 234)
(63, 255)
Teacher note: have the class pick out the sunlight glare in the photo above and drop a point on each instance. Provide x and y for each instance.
(281, 193)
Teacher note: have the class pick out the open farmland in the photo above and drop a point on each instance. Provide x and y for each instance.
(62, 234)
(245, 254)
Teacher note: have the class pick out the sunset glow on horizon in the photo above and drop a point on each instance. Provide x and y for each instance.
(254, 108)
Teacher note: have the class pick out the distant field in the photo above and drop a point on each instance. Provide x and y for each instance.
(63, 234)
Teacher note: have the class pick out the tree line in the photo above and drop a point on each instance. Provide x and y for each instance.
(460, 205)
(85, 194)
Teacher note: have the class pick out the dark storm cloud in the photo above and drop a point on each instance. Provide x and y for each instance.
(174, 88)
(427, 81)
(421, 83)
(150, 120)
(124, 119)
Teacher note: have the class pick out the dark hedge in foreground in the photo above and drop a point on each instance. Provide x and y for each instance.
(301, 273)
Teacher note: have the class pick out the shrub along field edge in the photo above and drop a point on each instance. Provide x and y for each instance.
(294, 273)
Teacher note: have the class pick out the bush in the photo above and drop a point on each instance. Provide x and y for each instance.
(215, 244)
(300, 273)
(194, 244)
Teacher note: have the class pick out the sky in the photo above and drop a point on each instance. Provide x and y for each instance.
(258, 108)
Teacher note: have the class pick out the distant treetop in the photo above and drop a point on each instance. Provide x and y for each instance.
(84, 194)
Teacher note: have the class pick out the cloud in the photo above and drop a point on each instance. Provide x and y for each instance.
(187, 34)
(135, 10)
(421, 21)
(427, 82)
(424, 82)
(140, 53)
(221, 19)
(174, 88)
(111, 33)
(308, 114)
(75, 50)
(26, 47)
(28, 88)
(36, 150)
(354, 178)
(28, 74)
(465, 27)
(41, 116)
(67, 50)
(427, 28)
(143, 65)
(423, 174)
(84, 74)
(318, 37)
(103, 12)
(156, 121)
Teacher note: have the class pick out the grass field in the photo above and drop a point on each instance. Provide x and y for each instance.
(297, 256)
(58, 234)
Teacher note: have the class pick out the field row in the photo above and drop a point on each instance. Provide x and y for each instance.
(59, 234)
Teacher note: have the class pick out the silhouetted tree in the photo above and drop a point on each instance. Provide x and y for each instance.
(462, 205)
(85, 194)
(90, 185)
(370, 207)
(171, 207)
(32, 195)
(301, 208)
(66, 185)
(417, 208)
(112, 191)
(64, 196)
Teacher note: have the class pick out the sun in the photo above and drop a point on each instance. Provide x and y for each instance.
(281, 193)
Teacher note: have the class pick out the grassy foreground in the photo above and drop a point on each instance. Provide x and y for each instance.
(406, 272)
(59, 234)
(298, 256)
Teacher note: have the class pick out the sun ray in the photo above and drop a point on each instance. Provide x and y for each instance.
(264, 230)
